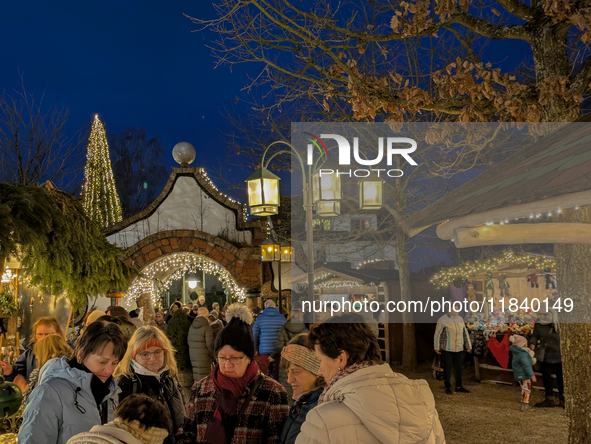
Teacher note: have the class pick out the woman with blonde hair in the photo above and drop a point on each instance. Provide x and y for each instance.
(48, 347)
(149, 367)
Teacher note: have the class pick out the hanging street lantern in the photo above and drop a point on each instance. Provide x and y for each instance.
(192, 280)
(326, 193)
(270, 250)
(286, 252)
(371, 192)
(263, 192)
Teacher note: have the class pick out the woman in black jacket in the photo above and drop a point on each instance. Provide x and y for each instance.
(302, 373)
(149, 367)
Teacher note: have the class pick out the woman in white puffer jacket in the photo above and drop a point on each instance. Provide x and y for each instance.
(365, 402)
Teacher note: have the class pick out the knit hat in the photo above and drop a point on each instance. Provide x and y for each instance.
(238, 333)
(152, 342)
(302, 357)
(518, 340)
(93, 316)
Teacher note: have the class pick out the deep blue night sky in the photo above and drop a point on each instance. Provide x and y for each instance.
(136, 64)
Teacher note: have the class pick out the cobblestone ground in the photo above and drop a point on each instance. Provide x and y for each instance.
(491, 414)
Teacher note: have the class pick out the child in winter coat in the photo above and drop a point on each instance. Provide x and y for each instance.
(523, 362)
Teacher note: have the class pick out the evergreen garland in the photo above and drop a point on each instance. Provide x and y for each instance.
(60, 249)
(177, 331)
(7, 303)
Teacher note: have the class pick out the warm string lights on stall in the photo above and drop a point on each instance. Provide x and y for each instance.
(471, 268)
(181, 263)
(8, 275)
(531, 217)
(342, 284)
(368, 261)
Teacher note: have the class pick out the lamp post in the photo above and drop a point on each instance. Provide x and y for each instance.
(271, 185)
(272, 251)
(192, 280)
(325, 191)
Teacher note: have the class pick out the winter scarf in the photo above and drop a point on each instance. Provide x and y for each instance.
(221, 427)
(341, 374)
(99, 388)
(152, 435)
(141, 370)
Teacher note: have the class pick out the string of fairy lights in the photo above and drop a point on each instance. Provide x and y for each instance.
(181, 263)
(368, 261)
(470, 268)
(326, 280)
(225, 196)
(99, 194)
(532, 217)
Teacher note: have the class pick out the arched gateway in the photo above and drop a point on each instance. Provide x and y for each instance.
(192, 226)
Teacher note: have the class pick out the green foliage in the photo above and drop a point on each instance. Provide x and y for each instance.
(7, 302)
(59, 247)
(177, 331)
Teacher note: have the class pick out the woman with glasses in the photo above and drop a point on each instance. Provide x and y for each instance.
(21, 370)
(235, 403)
(74, 395)
(149, 368)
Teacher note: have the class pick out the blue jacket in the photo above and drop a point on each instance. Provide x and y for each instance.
(522, 363)
(266, 330)
(51, 415)
(297, 416)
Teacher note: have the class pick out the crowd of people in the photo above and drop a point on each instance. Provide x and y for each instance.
(452, 340)
(268, 380)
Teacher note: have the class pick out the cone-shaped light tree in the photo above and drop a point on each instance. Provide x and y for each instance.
(99, 193)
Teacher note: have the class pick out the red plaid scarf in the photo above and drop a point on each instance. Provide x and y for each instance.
(224, 418)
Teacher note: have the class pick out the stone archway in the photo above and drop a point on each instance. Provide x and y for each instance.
(242, 264)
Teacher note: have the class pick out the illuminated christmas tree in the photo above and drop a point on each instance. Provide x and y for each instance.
(99, 194)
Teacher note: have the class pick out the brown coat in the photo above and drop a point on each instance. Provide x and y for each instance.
(200, 340)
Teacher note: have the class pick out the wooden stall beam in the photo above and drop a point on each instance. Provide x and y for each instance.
(446, 230)
(542, 233)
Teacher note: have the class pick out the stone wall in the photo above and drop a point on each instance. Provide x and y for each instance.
(244, 264)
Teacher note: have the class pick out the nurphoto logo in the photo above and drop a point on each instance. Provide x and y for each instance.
(393, 148)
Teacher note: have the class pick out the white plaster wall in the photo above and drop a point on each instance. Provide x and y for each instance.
(289, 271)
(187, 207)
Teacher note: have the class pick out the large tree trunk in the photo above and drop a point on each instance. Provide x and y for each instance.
(573, 263)
(409, 343)
(549, 46)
